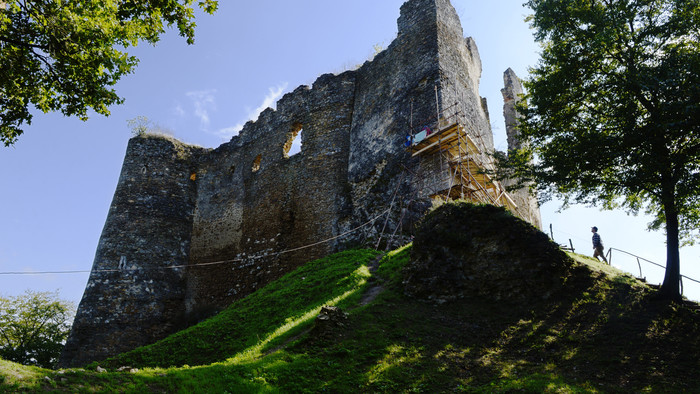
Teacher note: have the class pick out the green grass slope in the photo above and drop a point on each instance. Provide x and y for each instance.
(605, 334)
(255, 322)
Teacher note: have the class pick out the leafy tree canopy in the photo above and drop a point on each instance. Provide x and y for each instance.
(34, 327)
(61, 55)
(613, 111)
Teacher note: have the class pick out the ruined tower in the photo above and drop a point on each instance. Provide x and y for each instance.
(512, 94)
(193, 229)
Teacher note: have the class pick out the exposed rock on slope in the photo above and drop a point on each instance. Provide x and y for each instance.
(464, 250)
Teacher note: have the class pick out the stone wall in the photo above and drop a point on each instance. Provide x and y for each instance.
(245, 216)
(133, 297)
(481, 251)
(396, 87)
(245, 213)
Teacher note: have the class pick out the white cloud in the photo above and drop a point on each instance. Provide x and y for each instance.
(270, 100)
(203, 102)
(227, 132)
(273, 94)
(179, 111)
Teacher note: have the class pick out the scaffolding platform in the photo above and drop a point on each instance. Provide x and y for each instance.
(462, 165)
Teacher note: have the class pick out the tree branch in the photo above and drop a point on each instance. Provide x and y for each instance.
(23, 44)
(7, 339)
(48, 65)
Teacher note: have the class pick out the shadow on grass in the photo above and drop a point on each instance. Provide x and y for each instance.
(603, 333)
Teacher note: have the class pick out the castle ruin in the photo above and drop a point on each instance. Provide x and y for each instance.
(191, 229)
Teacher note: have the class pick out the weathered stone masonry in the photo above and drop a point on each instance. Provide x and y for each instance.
(241, 203)
(129, 298)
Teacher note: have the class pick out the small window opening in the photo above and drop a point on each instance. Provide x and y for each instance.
(256, 163)
(293, 144)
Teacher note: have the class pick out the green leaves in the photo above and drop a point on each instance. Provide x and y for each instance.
(66, 56)
(614, 107)
(611, 101)
(34, 327)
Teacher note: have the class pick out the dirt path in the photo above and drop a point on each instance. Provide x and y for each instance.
(375, 288)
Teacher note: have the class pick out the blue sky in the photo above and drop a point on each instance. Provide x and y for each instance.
(59, 178)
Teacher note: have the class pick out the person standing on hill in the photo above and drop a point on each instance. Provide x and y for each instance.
(598, 248)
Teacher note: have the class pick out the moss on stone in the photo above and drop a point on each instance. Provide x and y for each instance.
(465, 250)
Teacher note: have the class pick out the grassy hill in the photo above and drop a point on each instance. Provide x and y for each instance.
(604, 332)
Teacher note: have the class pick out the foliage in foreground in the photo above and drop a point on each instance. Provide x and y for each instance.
(33, 328)
(67, 55)
(613, 112)
(606, 335)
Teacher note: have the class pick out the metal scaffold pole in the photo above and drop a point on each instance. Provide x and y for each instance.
(462, 165)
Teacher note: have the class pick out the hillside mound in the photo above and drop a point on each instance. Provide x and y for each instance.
(314, 330)
(465, 250)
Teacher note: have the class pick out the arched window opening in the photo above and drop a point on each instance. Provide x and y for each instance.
(256, 163)
(293, 144)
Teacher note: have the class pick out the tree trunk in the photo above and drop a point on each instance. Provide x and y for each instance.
(670, 289)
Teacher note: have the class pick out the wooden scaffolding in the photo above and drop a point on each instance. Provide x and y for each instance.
(462, 172)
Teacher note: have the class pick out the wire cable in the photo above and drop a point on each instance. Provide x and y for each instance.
(203, 264)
